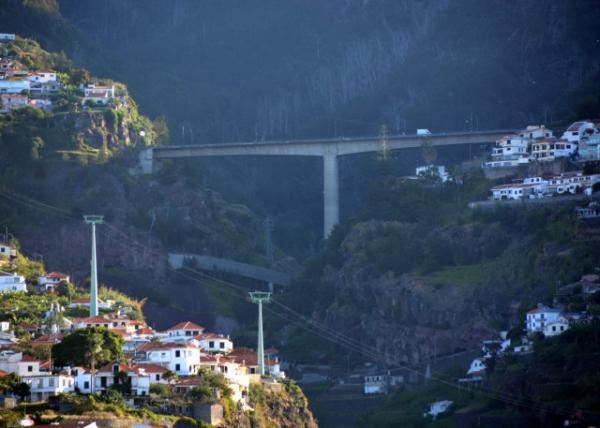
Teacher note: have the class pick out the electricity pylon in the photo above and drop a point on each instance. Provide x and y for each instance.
(93, 220)
(260, 297)
(383, 154)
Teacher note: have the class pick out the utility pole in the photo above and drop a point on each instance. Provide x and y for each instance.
(259, 297)
(93, 220)
(269, 244)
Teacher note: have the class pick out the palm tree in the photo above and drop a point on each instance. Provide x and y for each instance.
(94, 351)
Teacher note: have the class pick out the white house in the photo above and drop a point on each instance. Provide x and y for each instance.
(477, 367)
(7, 251)
(538, 318)
(98, 94)
(186, 329)
(554, 328)
(375, 384)
(46, 385)
(83, 379)
(577, 130)
(534, 132)
(7, 37)
(513, 191)
(42, 77)
(181, 358)
(154, 371)
(137, 378)
(212, 342)
(437, 408)
(438, 171)
(14, 86)
(550, 149)
(12, 282)
(21, 365)
(4, 326)
(52, 279)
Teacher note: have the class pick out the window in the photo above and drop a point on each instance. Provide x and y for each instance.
(188, 333)
(177, 353)
(30, 368)
(211, 344)
(86, 385)
(177, 367)
(222, 345)
(157, 377)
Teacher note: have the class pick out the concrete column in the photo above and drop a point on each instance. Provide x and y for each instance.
(331, 203)
(146, 161)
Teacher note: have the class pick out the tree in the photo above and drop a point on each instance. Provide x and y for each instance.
(65, 289)
(201, 392)
(36, 145)
(169, 376)
(122, 383)
(159, 389)
(42, 352)
(8, 382)
(88, 347)
(22, 390)
(161, 130)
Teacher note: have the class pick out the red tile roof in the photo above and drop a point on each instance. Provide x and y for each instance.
(186, 325)
(29, 359)
(59, 275)
(150, 368)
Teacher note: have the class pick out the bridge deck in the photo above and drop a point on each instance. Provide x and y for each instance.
(323, 147)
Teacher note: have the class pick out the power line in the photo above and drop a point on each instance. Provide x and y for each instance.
(318, 329)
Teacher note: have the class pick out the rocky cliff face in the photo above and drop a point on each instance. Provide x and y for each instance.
(411, 317)
(279, 405)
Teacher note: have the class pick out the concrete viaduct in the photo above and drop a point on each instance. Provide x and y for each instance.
(328, 149)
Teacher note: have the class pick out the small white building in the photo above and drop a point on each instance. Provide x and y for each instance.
(554, 328)
(213, 343)
(375, 384)
(538, 318)
(42, 76)
(12, 282)
(107, 376)
(186, 329)
(437, 408)
(14, 86)
(52, 279)
(577, 130)
(513, 191)
(21, 365)
(534, 132)
(183, 359)
(46, 385)
(7, 251)
(7, 37)
(436, 171)
(83, 380)
(550, 149)
(477, 367)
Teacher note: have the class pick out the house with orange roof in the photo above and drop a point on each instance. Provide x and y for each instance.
(137, 378)
(182, 330)
(18, 363)
(49, 281)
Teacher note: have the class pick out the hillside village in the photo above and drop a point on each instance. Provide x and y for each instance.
(47, 90)
(565, 165)
(178, 359)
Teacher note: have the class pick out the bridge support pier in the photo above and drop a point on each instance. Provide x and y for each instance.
(146, 161)
(331, 202)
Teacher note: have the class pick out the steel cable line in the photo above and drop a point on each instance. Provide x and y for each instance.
(321, 330)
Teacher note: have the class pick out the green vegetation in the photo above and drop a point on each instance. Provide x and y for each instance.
(91, 347)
